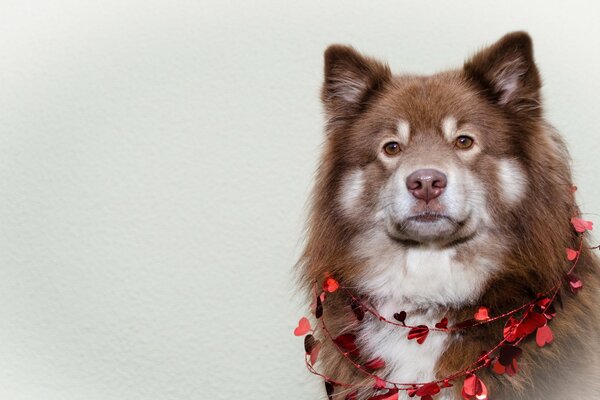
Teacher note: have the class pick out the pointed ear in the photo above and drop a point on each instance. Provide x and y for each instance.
(507, 73)
(350, 79)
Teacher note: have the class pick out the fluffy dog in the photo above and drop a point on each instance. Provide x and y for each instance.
(436, 195)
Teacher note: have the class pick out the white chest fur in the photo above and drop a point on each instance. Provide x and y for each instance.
(413, 280)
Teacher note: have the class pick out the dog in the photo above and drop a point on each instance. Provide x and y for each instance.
(447, 201)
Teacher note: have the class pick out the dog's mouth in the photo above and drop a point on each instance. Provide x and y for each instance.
(428, 217)
(429, 227)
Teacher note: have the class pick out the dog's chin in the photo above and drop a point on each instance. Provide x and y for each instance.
(428, 228)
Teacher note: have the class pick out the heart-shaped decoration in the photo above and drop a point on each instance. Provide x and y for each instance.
(508, 353)
(443, 324)
(428, 389)
(379, 383)
(571, 254)
(400, 317)
(498, 368)
(330, 285)
(319, 307)
(347, 343)
(574, 282)
(358, 310)
(412, 392)
(329, 389)
(473, 387)
(482, 314)
(309, 343)
(544, 336)
(581, 225)
(303, 327)
(418, 332)
(530, 323)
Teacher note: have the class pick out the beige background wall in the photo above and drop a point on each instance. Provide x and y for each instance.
(155, 158)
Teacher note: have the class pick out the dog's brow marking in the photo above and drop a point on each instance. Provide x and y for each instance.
(403, 130)
(449, 128)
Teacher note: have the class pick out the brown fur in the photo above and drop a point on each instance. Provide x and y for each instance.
(531, 237)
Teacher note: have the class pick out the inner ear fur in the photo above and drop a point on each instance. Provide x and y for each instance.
(350, 79)
(507, 73)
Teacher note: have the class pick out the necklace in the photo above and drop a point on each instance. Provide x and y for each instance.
(502, 358)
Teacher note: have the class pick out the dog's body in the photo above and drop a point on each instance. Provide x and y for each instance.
(440, 194)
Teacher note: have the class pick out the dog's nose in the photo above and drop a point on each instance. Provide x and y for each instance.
(426, 184)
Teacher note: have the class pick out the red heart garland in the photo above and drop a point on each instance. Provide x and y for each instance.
(303, 327)
(571, 254)
(482, 314)
(347, 342)
(428, 389)
(530, 323)
(544, 336)
(574, 283)
(474, 387)
(309, 343)
(400, 317)
(508, 353)
(443, 324)
(379, 383)
(418, 332)
(358, 310)
(330, 285)
(319, 307)
(581, 225)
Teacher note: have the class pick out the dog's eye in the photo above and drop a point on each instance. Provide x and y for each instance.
(463, 142)
(391, 148)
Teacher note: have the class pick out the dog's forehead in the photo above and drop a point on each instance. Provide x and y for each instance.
(429, 102)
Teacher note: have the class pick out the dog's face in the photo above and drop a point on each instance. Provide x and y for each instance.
(431, 159)
(424, 160)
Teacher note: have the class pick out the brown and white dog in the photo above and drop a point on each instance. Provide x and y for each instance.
(437, 194)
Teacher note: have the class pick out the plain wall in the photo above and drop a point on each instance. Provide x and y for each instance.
(155, 161)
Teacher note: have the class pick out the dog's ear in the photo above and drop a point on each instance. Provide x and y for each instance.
(507, 73)
(350, 80)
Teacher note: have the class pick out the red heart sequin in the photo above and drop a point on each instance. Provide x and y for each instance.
(303, 327)
(379, 383)
(581, 225)
(482, 314)
(418, 332)
(473, 387)
(544, 336)
(571, 254)
(330, 285)
(574, 282)
(443, 324)
(428, 389)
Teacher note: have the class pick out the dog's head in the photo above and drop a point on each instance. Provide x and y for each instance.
(436, 161)
(437, 158)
